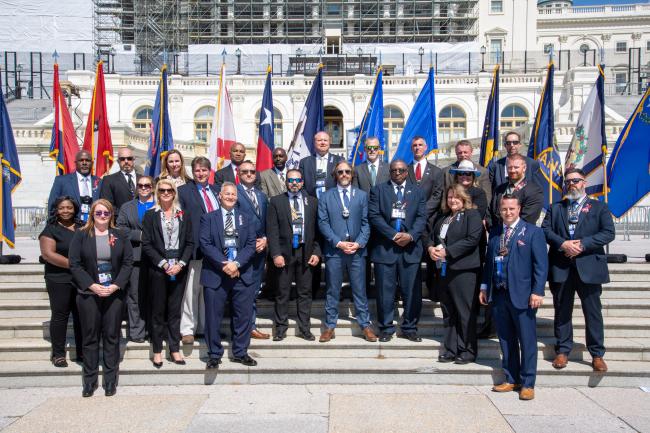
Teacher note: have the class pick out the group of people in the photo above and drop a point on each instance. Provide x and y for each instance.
(171, 254)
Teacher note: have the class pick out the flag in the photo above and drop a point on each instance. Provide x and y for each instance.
(421, 122)
(628, 169)
(490, 138)
(11, 176)
(265, 143)
(542, 145)
(97, 139)
(161, 140)
(588, 146)
(372, 124)
(64, 145)
(222, 136)
(311, 121)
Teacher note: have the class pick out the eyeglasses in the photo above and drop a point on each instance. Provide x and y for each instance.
(344, 171)
(126, 158)
(103, 213)
(398, 170)
(165, 190)
(510, 143)
(294, 179)
(574, 181)
(247, 171)
(144, 185)
(372, 148)
(465, 173)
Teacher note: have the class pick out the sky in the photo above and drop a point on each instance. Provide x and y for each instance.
(605, 2)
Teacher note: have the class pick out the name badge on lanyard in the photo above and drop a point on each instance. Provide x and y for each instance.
(104, 273)
(296, 227)
(84, 209)
(230, 242)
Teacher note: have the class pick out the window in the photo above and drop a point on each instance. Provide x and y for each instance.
(496, 6)
(142, 119)
(621, 47)
(393, 125)
(621, 82)
(647, 46)
(452, 124)
(496, 47)
(277, 127)
(203, 123)
(513, 116)
(334, 126)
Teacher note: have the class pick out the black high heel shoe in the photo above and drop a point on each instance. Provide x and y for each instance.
(177, 362)
(156, 364)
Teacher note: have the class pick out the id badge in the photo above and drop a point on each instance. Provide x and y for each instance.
(398, 213)
(85, 208)
(230, 242)
(498, 262)
(172, 262)
(105, 278)
(297, 228)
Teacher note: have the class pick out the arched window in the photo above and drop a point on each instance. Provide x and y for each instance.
(334, 126)
(393, 126)
(203, 123)
(513, 116)
(452, 124)
(277, 127)
(142, 119)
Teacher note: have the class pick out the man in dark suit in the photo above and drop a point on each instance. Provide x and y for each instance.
(513, 281)
(253, 203)
(197, 198)
(497, 170)
(291, 231)
(577, 230)
(228, 244)
(343, 222)
(80, 185)
(130, 220)
(530, 194)
(373, 171)
(316, 169)
(464, 152)
(230, 173)
(397, 213)
(118, 188)
(272, 181)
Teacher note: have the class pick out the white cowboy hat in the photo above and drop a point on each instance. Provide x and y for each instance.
(465, 166)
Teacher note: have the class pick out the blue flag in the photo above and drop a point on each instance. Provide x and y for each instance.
(628, 169)
(490, 138)
(311, 121)
(161, 140)
(421, 122)
(372, 124)
(11, 175)
(542, 145)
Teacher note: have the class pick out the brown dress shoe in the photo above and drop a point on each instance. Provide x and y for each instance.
(505, 387)
(259, 335)
(187, 339)
(560, 361)
(526, 394)
(369, 335)
(327, 335)
(598, 364)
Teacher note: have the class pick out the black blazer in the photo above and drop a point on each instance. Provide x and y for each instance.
(308, 169)
(115, 189)
(278, 226)
(531, 197)
(479, 199)
(431, 184)
(83, 260)
(462, 241)
(153, 241)
(192, 204)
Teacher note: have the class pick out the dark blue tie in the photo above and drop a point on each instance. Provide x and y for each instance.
(400, 194)
(346, 200)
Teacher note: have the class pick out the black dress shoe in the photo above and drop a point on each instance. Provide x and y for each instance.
(385, 337)
(446, 358)
(110, 389)
(462, 361)
(412, 336)
(137, 340)
(306, 336)
(213, 363)
(89, 389)
(279, 337)
(245, 360)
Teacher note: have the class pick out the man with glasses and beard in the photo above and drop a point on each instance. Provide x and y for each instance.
(577, 230)
(118, 188)
(497, 170)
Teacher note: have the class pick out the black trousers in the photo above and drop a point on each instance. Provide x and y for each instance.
(563, 297)
(137, 302)
(459, 302)
(62, 302)
(101, 318)
(166, 299)
(294, 271)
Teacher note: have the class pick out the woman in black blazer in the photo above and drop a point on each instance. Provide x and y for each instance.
(453, 245)
(101, 260)
(167, 241)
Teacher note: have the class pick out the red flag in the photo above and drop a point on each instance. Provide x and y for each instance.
(64, 145)
(97, 140)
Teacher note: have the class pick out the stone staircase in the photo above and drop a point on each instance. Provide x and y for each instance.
(25, 347)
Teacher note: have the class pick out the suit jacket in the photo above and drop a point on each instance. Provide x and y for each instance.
(83, 260)
(527, 263)
(245, 205)
(431, 184)
(380, 206)
(479, 199)
(531, 197)
(483, 180)
(279, 231)
(308, 168)
(115, 189)
(595, 229)
(497, 171)
(212, 245)
(128, 221)
(270, 183)
(333, 227)
(67, 185)
(363, 180)
(153, 241)
(192, 204)
(226, 174)
(462, 240)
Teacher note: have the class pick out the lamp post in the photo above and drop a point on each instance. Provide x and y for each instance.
(238, 54)
(483, 51)
(421, 53)
(19, 89)
(298, 55)
(112, 53)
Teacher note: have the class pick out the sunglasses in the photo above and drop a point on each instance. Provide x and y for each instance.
(294, 179)
(344, 171)
(573, 181)
(465, 173)
(247, 171)
(398, 170)
(165, 190)
(509, 143)
(126, 158)
(103, 213)
(372, 148)
(144, 185)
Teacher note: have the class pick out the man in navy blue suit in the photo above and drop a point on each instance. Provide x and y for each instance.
(80, 185)
(514, 276)
(577, 230)
(343, 222)
(228, 244)
(316, 169)
(397, 214)
(253, 202)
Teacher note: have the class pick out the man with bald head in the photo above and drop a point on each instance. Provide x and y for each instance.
(317, 169)
(272, 181)
(80, 185)
(230, 173)
(118, 188)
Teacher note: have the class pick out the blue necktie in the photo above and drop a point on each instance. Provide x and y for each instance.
(346, 200)
(400, 194)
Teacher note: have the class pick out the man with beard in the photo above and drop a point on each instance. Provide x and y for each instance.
(80, 185)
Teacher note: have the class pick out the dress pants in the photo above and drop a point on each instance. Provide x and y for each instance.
(459, 302)
(63, 302)
(101, 317)
(193, 317)
(258, 269)
(386, 277)
(298, 271)
(165, 300)
(241, 298)
(136, 302)
(356, 267)
(563, 297)
(517, 333)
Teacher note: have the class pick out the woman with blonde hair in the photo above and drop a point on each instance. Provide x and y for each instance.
(173, 168)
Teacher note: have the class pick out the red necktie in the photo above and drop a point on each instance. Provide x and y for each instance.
(418, 172)
(208, 202)
(237, 175)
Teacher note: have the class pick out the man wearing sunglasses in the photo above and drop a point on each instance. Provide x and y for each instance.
(372, 172)
(498, 170)
(80, 185)
(577, 230)
(120, 187)
(464, 150)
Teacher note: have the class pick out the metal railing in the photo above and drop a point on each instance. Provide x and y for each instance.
(635, 222)
(30, 221)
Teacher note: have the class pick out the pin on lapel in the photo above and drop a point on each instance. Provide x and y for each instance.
(520, 242)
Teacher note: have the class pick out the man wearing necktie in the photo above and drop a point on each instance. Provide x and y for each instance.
(577, 230)
(230, 173)
(272, 181)
(80, 185)
(118, 188)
